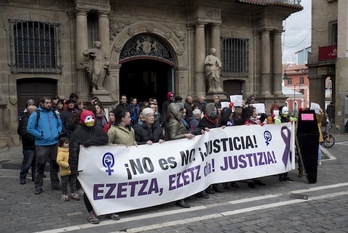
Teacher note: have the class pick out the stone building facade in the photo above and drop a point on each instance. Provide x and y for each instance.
(152, 46)
(328, 60)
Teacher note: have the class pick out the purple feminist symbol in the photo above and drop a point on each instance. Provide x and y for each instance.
(286, 135)
(108, 162)
(268, 137)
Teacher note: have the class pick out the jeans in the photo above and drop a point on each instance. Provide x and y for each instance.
(44, 154)
(29, 160)
(71, 180)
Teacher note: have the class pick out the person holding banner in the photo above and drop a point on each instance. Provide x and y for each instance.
(87, 135)
(121, 133)
(148, 133)
(175, 129)
(210, 120)
(252, 120)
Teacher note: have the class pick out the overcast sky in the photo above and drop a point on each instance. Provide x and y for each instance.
(297, 33)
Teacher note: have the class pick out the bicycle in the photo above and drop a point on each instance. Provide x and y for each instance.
(329, 140)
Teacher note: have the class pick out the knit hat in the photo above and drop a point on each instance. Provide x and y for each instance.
(70, 101)
(84, 115)
(231, 105)
(169, 95)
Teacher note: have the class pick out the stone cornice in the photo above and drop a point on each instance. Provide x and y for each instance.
(88, 5)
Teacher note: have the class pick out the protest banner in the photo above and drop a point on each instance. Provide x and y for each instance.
(120, 178)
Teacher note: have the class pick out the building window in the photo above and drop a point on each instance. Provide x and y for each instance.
(333, 32)
(235, 57)
(289, 81)
(302, 80)
(35, 47)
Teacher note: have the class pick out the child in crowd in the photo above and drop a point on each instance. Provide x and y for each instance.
(65, 173)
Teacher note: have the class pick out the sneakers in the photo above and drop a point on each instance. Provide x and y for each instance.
(80, 192)
(258, 182)
(75, 196)
(288, 179)
(65, 197)
(38, 191)
(113, 216)
(182, 204)
(281, 179)
(92, 218)
(251, 185)
(22, 181)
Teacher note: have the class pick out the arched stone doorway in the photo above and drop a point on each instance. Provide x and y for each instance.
(147, 68)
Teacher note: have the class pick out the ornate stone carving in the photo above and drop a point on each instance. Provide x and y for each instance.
(168, 35)
(116, 26)
(150, 28)
(180, 33)
(131, 32)
(145, 45)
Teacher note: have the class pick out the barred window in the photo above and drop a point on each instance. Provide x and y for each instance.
(35, 47)
(235, 57)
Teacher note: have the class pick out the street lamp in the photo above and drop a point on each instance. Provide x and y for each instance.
(293, 104)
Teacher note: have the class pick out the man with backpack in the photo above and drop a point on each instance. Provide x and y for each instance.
(28, 144)
(45, 125)
(30, 102)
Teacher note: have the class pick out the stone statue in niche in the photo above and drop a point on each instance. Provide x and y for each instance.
(213, 67)
(97, 67)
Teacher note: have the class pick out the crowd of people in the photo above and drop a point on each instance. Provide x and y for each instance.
(54, 130)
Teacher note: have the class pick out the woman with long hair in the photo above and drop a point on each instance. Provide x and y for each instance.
(101, 119)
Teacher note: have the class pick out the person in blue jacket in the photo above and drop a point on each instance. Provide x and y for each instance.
(45, 126)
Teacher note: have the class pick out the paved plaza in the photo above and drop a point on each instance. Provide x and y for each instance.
(276, 207)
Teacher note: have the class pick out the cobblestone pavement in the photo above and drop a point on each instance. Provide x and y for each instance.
(276, 207)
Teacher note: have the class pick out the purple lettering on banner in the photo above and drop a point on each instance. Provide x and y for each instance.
(172, 181)
(249, 159)
(178, 183)
(144, 184)
(96, 191)
(153, 186)
(185, 177)
(286, 139)
(132, 184)
(243, 163)
(109, 192)
(121, 188)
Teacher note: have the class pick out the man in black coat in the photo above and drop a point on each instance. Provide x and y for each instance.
(28, 144)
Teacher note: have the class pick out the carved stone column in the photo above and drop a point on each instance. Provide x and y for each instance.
(266, 64)
(277, 63)
(104, 33)
(81, 37)
(81, 45)
(200, 56)
(215, 39)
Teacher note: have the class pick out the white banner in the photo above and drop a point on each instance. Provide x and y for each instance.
(119, 178)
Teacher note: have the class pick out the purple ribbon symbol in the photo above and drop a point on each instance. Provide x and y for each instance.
(286, 135)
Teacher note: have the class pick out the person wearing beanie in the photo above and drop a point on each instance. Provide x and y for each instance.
(87, 135)
(210, 120)
(170, 99)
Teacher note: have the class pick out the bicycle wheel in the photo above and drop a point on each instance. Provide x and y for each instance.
(329, 141)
